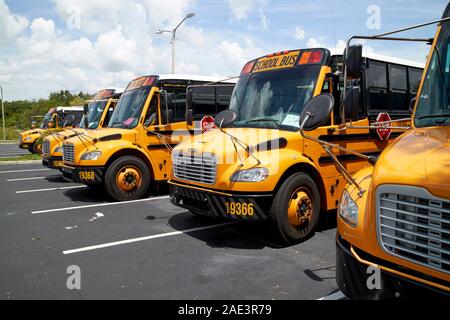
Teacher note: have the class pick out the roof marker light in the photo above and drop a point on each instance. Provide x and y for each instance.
(248, 67)
(311, 57)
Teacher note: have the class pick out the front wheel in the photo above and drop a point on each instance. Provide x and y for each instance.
(127, 178)
(37, 149)
(296, 208)
(31, 149)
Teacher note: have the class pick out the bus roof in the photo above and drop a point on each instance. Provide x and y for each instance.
(194, 77)
(69, 109)
(380, 57)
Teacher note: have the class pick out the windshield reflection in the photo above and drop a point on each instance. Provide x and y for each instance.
(274, 99)
(128, 111)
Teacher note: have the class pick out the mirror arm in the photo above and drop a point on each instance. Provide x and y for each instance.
(241, 144)
(328, 146)
(344, 171)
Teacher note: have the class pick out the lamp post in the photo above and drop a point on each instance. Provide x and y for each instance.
(173, 32)
(3, 115)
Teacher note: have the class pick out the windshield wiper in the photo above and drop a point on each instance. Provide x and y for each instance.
(265, 120)
(431, 116)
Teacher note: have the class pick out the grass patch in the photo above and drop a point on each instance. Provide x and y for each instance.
(27, 157)
(11, 134)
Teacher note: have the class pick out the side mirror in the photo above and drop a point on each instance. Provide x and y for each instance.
(354, 61)
(351, 103)
(69, 120)
(189, 99)
(412, 103)
(316, 112)
(225, 119)
(190, 117)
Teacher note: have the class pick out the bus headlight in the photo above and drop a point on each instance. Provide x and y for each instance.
(93, 155)
(348, 209)
(251, 175)
(58, 150)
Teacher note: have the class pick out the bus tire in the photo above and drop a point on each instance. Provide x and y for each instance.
(127, 178)
(31, 149)
(37, 149)
(295, 209)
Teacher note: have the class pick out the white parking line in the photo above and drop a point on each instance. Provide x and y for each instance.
(33, 178)
(334, 296)
(162, 235)
(99, 205)
(29, 170)
(50, 189)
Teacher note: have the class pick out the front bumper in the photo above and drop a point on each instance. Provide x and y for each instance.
(217, 204)
(352, 278)
(52, 162)
(25, 145)
(86, 175)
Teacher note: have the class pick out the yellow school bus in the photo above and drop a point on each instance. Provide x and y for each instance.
(400, 226)
(96, 116)
(133, 153)
(257, 167)
(53, 121)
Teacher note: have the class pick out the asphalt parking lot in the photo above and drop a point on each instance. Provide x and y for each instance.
(145, 249)
(8, 150)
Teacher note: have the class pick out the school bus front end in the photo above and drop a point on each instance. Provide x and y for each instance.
(261, 168)
(99, 110)
(134, 152)
(393, 241)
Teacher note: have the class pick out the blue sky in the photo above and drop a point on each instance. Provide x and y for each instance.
(114, 41)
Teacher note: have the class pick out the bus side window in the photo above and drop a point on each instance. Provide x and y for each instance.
(327, 89)
(399, 87)
(151, 118)
(415, 76)
(377, 85)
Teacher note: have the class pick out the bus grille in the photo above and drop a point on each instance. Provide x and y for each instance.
(414, 225)
(46, 147)
(195, 168)
(68, 153)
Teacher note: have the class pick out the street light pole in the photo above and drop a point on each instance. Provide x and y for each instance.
(3, 115)
(172, 41)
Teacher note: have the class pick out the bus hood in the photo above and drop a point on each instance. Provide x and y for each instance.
(109, 134)
(221, 145)
(421, 157)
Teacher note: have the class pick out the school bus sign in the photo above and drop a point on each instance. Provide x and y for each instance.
(281, 61)
(383, 133)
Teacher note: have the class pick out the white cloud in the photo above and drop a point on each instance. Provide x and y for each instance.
(240, 9)
(11, 25)
(314, 43)
(264, 20)
(299, 33)
(115, 44)
(43, 29)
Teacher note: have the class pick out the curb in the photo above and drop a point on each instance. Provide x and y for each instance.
(5, 163)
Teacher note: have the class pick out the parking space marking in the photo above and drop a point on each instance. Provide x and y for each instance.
(50, 189)
(26, 179)
(156, 236)
(334, 296)
(28, 170)
(99, 205)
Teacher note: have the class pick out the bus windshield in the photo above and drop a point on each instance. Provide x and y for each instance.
(433, 108)
(48, 117)
(129, 109)
(273, 99)
(95, 113)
